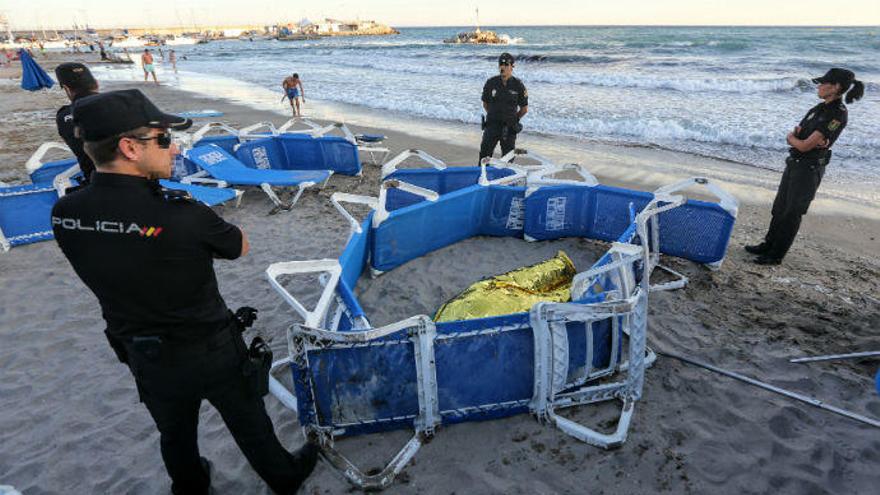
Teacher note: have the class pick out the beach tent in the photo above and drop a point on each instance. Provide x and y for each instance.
(33, 77)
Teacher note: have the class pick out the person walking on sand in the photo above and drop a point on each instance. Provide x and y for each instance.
(166, 318)
(506, 101)
(810, 152)
(172, 57)
(147, 63)
(293, 89)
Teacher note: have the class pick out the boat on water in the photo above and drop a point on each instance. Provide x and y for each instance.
(478, 37)
(127, 42)
(181, 41)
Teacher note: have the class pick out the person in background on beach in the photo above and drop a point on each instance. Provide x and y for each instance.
(165, 317)
(293, 88)
(810, 152)
(147, 62)
(172, 57)
(161, 54)
(506, 101)
(77, 81)
(103, 51)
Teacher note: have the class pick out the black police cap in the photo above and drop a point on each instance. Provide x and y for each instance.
(837, 75)
(505, 58)
(107, 114)
(75, 75)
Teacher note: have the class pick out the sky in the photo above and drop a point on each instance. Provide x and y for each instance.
(30, 14)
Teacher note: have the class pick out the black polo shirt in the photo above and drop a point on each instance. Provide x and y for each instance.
(64, 122)
(147, 257)
(504, 100)
(827, 118)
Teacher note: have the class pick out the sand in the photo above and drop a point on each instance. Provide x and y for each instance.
(70, 421)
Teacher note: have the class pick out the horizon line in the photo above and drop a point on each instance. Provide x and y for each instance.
(410, 26)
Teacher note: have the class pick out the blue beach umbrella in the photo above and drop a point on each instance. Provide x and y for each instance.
(33, 77)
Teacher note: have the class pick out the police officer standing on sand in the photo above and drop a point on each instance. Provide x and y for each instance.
(77, 82)
(506, 101)
(810, 152)
(147, 254)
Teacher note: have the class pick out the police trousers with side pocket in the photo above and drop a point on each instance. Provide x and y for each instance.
(494, 133)
(797, 188)
(174, 377)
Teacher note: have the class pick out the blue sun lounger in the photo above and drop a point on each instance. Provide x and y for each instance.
(350, 378)
(25, 213)
(219, 167)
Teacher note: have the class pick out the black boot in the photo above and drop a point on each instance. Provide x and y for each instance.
(767, 260)
(759, 249)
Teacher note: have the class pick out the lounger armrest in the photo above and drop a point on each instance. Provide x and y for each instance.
(36, 160)
(312, 127)
(205, 129)
(726, 200)
(382, 212)
(313, 317)
(338, 198)
(391, 165)
(544, 177)
(518, 175)
(62, 181)
(247, 131)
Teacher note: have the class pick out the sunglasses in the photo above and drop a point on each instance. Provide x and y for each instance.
(162, 139)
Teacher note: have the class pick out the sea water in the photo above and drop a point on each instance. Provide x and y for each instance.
(726, 92)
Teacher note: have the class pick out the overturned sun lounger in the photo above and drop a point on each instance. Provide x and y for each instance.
(220, 168)
(366, 143)
(352, 379)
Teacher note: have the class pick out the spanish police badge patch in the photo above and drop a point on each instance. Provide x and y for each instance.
(833, 125)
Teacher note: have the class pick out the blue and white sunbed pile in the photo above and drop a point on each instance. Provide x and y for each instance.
(350, 378)
(25, 210)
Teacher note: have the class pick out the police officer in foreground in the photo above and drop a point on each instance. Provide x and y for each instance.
(505, 101)
(147, 254)
(77, 82)
(810, 152)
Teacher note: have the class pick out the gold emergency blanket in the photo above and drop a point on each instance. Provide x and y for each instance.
(513, 292)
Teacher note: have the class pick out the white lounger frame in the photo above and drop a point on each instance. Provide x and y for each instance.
(626, 306)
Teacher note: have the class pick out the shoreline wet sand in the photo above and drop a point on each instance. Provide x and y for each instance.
(70, 420)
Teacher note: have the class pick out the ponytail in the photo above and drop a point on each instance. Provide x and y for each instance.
(856, 92)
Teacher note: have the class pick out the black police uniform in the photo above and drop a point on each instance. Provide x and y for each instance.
(148, 257)
(502, 123)
(802, 175)
(66, 129)
(147, 254)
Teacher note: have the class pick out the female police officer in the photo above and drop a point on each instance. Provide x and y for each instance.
(147, 254)
(810, 152)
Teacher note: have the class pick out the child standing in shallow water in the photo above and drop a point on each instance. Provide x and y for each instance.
(293, 89)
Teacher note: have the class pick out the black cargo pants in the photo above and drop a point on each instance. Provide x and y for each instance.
(495, 133)
(798, 187)
(174, 378)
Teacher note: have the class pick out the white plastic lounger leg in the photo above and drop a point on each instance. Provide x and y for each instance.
(299, 190)
(315, 316)
(281, 393)
(62, 181)
(199, 134)
(377, 481)
(279, 205)
(382, 213)
(246, 132)
(36, 160)
(726, 200)
(593, 437)
(391, 166)
(336, 199)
